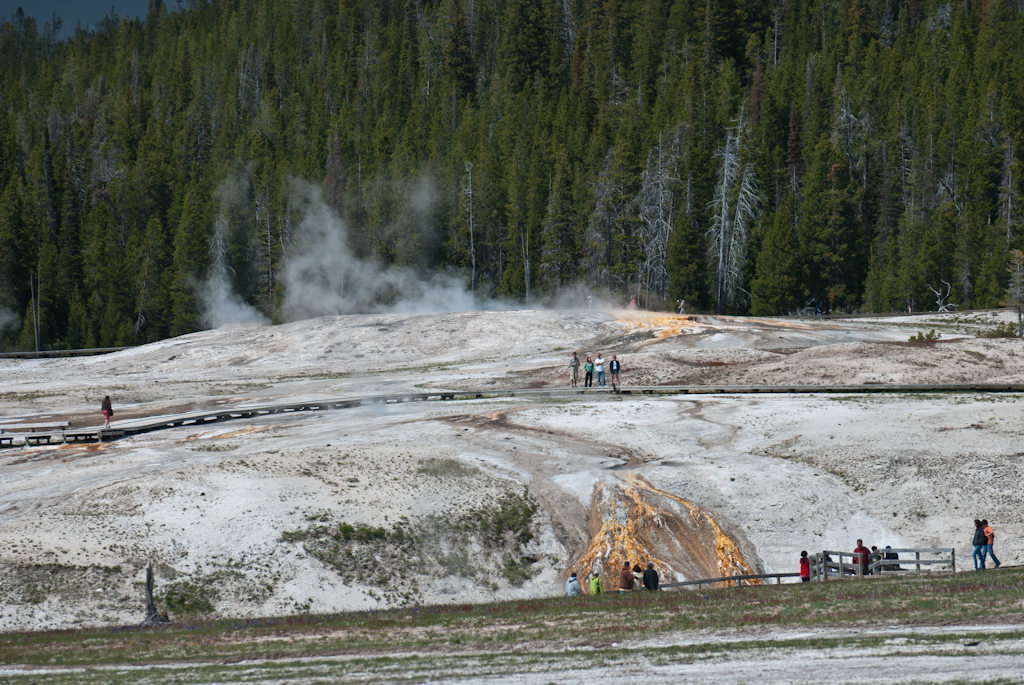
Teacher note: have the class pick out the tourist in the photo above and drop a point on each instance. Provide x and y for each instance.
(588, 373)
(990, 538)
(596, 587)
(599, 367)
(625, 578)
(107, 410)
(860, 556)
(682, 306)
(574, 367)
(979, 542)
(613, 368)
(572, 587)
(638, 577)
(805, 568)
(650, 577)
(891, 555)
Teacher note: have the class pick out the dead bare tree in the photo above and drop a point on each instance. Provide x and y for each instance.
(1015, 288)
(654, 207)
(734, 211)
(152, 615)
(941, 297)
(1008, 189)
(467, 192)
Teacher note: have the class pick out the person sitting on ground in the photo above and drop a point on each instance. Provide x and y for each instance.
(572, 587)
(990, 538)
(107, 410)
(625, 578)
(805, 568)
(860, 556)
(613, 368)
(651, 577)
(638, 577)
(596, 587)
(979, 543)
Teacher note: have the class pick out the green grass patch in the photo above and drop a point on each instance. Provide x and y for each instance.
(446, 467)
(529, 626)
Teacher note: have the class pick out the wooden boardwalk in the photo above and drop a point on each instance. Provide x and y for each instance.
(42, 434)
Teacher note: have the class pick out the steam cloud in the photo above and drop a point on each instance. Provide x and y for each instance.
(8, 321)
(323, 277)
(221, 304)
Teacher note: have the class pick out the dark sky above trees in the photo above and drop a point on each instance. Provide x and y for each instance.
(89, 12)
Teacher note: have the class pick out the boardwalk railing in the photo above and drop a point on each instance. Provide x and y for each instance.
(147, 424)
(829, 565)
(739, 580)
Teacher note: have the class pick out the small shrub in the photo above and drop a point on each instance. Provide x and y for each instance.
(921, 337)
(445, 468)
(511, 519)
(457, 563)
(187, 598)
(1005, 330)
(518, 572)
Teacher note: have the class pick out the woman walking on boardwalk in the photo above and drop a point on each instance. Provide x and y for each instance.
(108, 411)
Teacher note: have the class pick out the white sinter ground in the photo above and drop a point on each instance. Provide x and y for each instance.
(229, 513)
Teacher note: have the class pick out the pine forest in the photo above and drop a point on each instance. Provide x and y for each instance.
(292, 158)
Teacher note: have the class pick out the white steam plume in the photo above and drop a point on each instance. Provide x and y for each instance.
(323, 277)
(221, 305)
(8, 321)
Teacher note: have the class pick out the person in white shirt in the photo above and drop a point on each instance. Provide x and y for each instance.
(599, 368)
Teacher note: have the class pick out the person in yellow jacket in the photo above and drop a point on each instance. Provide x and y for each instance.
(596, 587)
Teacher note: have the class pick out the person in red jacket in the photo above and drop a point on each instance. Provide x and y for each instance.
(805, 568)
(860, 556)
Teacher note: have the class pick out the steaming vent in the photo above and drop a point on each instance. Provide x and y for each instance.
(632, 521)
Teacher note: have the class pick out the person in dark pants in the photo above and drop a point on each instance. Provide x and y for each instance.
(979, 543)
(650, 577)
(861, 556)
(625, 578)
(107, 410)
(588, 371)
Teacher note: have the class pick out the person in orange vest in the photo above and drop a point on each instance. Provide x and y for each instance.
(990, 538)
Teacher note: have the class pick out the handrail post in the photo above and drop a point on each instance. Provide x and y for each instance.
(952, 558)
(918, 556)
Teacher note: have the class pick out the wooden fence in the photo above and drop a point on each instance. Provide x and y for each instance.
(829, 565)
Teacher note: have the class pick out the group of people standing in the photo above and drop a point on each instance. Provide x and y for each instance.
(862, 556)
(984, 538)
(594, 368)
(629, 579)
